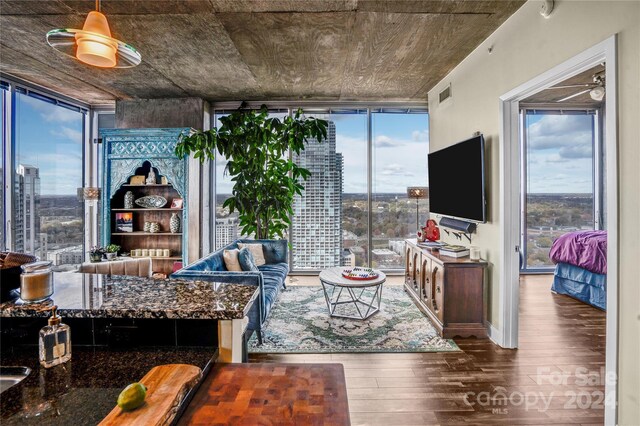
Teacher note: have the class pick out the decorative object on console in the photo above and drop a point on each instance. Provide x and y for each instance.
(431, 231)
(151, 201)
(124, 222)
(163, 180)
(177, 203)
(454, 251)
(253, 144)
(174, 223)
(137, 180)
(151, 178)
(474, 253)
(417, 193)
(93, 44)
(128, 200)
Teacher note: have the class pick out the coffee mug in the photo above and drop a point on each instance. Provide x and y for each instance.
(166, 253)
(144, 252)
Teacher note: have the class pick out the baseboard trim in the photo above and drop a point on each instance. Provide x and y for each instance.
(493, 333)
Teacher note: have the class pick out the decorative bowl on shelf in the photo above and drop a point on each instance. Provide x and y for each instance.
(151, 202)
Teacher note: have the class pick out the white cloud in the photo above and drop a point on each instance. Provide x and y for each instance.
(68, 133)
(395, 170)
(571, 135)
(420, 136)
(50, 112)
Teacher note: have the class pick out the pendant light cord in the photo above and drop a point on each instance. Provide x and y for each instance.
(98, 5)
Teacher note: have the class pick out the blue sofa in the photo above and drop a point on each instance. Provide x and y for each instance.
(270, 278)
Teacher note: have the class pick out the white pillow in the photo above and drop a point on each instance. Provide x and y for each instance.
(256, 251)
(231, 260)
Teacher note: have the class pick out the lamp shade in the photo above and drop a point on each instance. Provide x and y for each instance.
(417, 192)
(94, 45)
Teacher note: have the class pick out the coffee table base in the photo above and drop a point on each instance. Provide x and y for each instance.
(355, 296)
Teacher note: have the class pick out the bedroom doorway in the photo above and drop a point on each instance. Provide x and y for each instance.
(562, 166)
(603, 54)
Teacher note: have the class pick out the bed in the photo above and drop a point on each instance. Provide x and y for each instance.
(581, 266)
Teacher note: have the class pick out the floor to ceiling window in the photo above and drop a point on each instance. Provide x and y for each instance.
(353, 212)
(330, 220)
(48, 148)
(400, 147)
(559, 175)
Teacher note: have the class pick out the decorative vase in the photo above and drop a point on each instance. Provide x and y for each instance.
(111, 256)
(154, 227)
(95, 257)
(147, 226)
(128, 200)
(174, 223)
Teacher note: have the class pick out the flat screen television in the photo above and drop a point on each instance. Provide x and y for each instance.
(456, 181)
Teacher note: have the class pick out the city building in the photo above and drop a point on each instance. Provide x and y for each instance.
(66, 256)
(317, 218)
(226, 231)
(27, 199)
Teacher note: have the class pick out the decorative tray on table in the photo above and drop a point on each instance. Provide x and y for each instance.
(359, 273)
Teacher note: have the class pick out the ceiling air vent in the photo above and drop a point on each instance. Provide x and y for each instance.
(445, 94)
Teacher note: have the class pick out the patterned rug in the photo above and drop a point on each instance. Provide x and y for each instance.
(300, 323)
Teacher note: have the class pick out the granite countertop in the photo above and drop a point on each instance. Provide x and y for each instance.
(103, 296)
(85, 389)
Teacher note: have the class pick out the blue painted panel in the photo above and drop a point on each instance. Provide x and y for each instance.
(125, 150)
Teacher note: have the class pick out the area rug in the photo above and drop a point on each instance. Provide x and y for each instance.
(300, 323)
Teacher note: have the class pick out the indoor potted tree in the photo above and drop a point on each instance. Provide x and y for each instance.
(265, 179)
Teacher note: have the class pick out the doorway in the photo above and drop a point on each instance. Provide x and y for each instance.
(510, 200)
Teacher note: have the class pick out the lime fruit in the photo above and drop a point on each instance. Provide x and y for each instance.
(132, 396)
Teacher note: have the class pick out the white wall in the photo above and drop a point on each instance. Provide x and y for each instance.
(525, 46)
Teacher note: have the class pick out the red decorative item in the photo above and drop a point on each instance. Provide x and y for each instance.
(432, 232)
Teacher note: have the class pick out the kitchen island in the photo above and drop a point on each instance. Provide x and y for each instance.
(121, 327)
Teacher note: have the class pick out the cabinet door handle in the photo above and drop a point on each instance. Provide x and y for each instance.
(433, 288)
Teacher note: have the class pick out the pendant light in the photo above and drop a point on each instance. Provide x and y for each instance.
(93, 44)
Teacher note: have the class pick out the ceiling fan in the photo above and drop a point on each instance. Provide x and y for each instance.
(596, 89)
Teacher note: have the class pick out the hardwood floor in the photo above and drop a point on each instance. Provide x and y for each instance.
(554, 373)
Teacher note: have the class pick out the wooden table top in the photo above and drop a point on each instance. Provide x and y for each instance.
(271, 394)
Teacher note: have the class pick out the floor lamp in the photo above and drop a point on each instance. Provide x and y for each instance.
(417, 192)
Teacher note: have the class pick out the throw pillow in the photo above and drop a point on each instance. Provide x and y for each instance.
(231, 260)
(247, 263)
(256, 251)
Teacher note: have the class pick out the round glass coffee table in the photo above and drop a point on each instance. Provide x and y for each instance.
(364, 295)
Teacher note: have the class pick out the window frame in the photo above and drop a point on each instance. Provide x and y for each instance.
(311, 108)
(597, 173)
(10, 88)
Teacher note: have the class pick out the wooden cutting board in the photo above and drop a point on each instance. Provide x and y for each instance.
(166, 387)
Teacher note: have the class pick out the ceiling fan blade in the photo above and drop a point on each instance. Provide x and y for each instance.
(573, 96)
(571, 86)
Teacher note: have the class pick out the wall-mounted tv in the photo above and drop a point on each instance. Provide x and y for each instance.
(456, 181)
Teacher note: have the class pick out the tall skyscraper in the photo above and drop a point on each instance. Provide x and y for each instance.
(226, 231)
(317, 214)
(27, 223)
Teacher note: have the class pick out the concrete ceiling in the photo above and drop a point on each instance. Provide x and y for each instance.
(334, 50)
(553, 95)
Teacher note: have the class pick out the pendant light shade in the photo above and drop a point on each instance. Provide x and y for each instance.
(93, 44)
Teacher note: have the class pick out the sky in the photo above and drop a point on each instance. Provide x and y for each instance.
(50, 138)
(401, 144)
(559, 153)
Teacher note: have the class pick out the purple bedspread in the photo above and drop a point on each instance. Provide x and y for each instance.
(585, 249)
